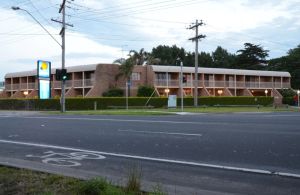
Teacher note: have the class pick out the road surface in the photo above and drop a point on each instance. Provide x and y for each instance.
(244, 153)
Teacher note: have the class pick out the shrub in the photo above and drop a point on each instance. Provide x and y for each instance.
(288, 100)
(134, 179)
(287, 92)
(145, 91)
(97, 186)
(113, 92)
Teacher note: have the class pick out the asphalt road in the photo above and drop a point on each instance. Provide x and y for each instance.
(245, 153)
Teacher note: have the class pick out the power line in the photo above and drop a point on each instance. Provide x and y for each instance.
(156, 7)
(42, 16)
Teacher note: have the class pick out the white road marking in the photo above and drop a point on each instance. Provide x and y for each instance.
(161, 132)
(66, 159)
(282, 115)
(129, 120)
(231, 168)
(13, 136)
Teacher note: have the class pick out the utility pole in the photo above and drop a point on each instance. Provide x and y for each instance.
(62, 10)
(196, 39)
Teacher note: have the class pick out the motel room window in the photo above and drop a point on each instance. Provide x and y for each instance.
(162, 76)
(136, 76)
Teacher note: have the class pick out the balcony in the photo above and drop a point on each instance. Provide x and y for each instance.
(221, 84)
(74, 83)
(175, 83)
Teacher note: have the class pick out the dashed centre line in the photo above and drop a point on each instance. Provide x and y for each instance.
(161, 132)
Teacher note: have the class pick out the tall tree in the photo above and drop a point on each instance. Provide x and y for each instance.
(222, 58)
(168, 55)
(205, 60)
(252, 56)
(290, 63)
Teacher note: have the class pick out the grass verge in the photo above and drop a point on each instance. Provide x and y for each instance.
(21, 181)
(146, 112)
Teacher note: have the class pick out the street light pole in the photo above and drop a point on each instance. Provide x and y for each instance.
(298, 93)
(18, 8)
(63, 109)
(181, 85)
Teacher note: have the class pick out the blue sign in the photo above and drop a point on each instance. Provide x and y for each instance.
(172, 101)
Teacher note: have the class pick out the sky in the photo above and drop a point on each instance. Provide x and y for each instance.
(105, 30)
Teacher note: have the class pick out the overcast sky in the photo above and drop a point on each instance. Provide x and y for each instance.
(105, 30)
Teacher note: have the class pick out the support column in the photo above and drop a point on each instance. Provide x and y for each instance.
(83, 84)
(235, 85)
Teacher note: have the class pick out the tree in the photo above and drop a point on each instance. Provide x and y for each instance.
(152, 61)
(139, 57)
(168, 55)
(222, 58)
(290, 63)
(205, 60)
(252, 56)
(125, 69)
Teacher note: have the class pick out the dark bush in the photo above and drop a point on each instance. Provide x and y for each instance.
(113, 92)
(145, 91)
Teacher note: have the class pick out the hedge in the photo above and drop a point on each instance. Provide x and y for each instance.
(119, 102)
(289, 101)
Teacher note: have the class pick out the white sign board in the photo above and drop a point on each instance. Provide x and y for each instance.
(172, 101)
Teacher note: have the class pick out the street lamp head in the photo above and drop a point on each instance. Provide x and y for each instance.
(266, 91)
(298, 91)
(15, 8)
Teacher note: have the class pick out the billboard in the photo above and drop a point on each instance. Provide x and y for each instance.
(44, 75)
(44, 69)
(44, 89)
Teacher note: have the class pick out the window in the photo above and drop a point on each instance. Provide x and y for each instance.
(135, 76)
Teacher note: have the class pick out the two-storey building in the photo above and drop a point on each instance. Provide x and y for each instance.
(93, 80)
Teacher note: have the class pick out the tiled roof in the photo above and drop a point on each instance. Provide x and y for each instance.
(161, 68)
(80, 68)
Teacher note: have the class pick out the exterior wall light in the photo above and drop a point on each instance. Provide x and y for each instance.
(220, 92)
(266, 92)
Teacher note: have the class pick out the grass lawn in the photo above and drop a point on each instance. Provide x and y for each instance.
(21, 181)
(161, 111)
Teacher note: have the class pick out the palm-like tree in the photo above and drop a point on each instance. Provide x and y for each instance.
(125, 69)
(152, 61)
(139, 56)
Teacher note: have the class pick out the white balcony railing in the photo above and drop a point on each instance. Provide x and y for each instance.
(266, 85)
(286, 85)
(32, 86)
(15, 86)
(240, 84)
(89, 82)
(74, 83)
(221, 84)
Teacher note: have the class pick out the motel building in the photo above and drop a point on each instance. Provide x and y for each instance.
(94, 80)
